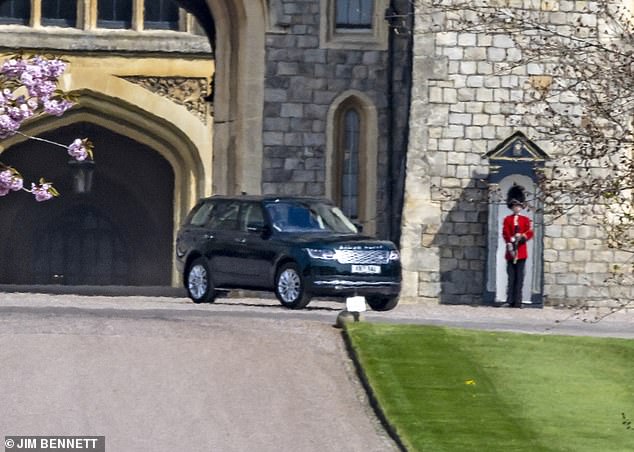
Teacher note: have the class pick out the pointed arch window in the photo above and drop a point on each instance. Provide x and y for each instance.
(59, 13)
(15, 12)
(351, 176)
(354, 13)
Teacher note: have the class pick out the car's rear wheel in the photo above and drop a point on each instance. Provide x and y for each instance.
(290, 288)
(382, 303)
(200, 287)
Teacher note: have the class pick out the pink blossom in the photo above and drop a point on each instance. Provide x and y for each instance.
(33, 72)
(39, 76)
(42, 192)
(11, 180)
(56, 107)
(17, 183)
(8, 126)
(43, 89)
(13, 68)
(45, 68)
(28, 80)
(79, 149)
(20, 113)
(5, 178)
(26, 111)
(54, 68)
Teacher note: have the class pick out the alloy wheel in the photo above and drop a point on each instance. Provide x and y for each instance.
(289, 285)
(198, 281)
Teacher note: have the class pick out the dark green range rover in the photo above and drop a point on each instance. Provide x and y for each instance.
(297, 247)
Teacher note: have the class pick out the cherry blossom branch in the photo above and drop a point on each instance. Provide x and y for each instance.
(37, 76)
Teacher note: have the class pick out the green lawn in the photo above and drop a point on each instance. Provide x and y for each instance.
(446, 389)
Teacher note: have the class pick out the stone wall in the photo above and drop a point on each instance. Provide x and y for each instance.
(302, 80)
(580, 268)
(461, 109)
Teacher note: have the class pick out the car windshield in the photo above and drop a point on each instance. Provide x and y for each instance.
(289, 216)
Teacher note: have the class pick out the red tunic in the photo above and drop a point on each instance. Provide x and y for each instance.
(509, 230)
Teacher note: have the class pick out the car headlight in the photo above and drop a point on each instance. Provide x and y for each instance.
(394, 256)
(328, 255)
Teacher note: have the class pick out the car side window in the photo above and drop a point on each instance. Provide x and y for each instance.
(201, 215)
(252, 215)
(225, 216)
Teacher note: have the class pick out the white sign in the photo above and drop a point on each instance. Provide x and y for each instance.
(355, 304)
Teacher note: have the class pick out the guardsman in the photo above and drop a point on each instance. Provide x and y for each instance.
(516, 230)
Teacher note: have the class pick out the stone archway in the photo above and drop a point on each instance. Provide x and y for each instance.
(119, 233)
(185, 177)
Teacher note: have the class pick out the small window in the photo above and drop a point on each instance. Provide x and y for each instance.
(353, 24)
(114, 13)
(161, 15)
(15, 12)
(354, 13)
(59, 13)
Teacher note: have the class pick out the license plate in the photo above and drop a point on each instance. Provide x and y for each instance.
(372, 269)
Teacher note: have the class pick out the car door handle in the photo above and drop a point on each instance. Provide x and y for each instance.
(208, 236)
(240, 240)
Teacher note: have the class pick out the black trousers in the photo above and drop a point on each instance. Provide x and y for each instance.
(515, 273)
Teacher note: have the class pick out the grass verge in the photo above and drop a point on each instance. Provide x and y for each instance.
(444, 389)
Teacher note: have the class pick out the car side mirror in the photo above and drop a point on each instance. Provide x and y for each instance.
(359, 226)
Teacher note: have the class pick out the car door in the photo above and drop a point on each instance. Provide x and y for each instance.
(256, 252)
(224, 244)
(194, 235)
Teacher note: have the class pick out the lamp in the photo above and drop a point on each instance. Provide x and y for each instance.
(82, 173)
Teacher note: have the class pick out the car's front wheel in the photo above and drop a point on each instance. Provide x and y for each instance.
(289, 287)
(200, 287)
(382, 303)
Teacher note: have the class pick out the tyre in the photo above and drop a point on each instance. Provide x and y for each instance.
(289, 287)
(382, 303)
(198, 282)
